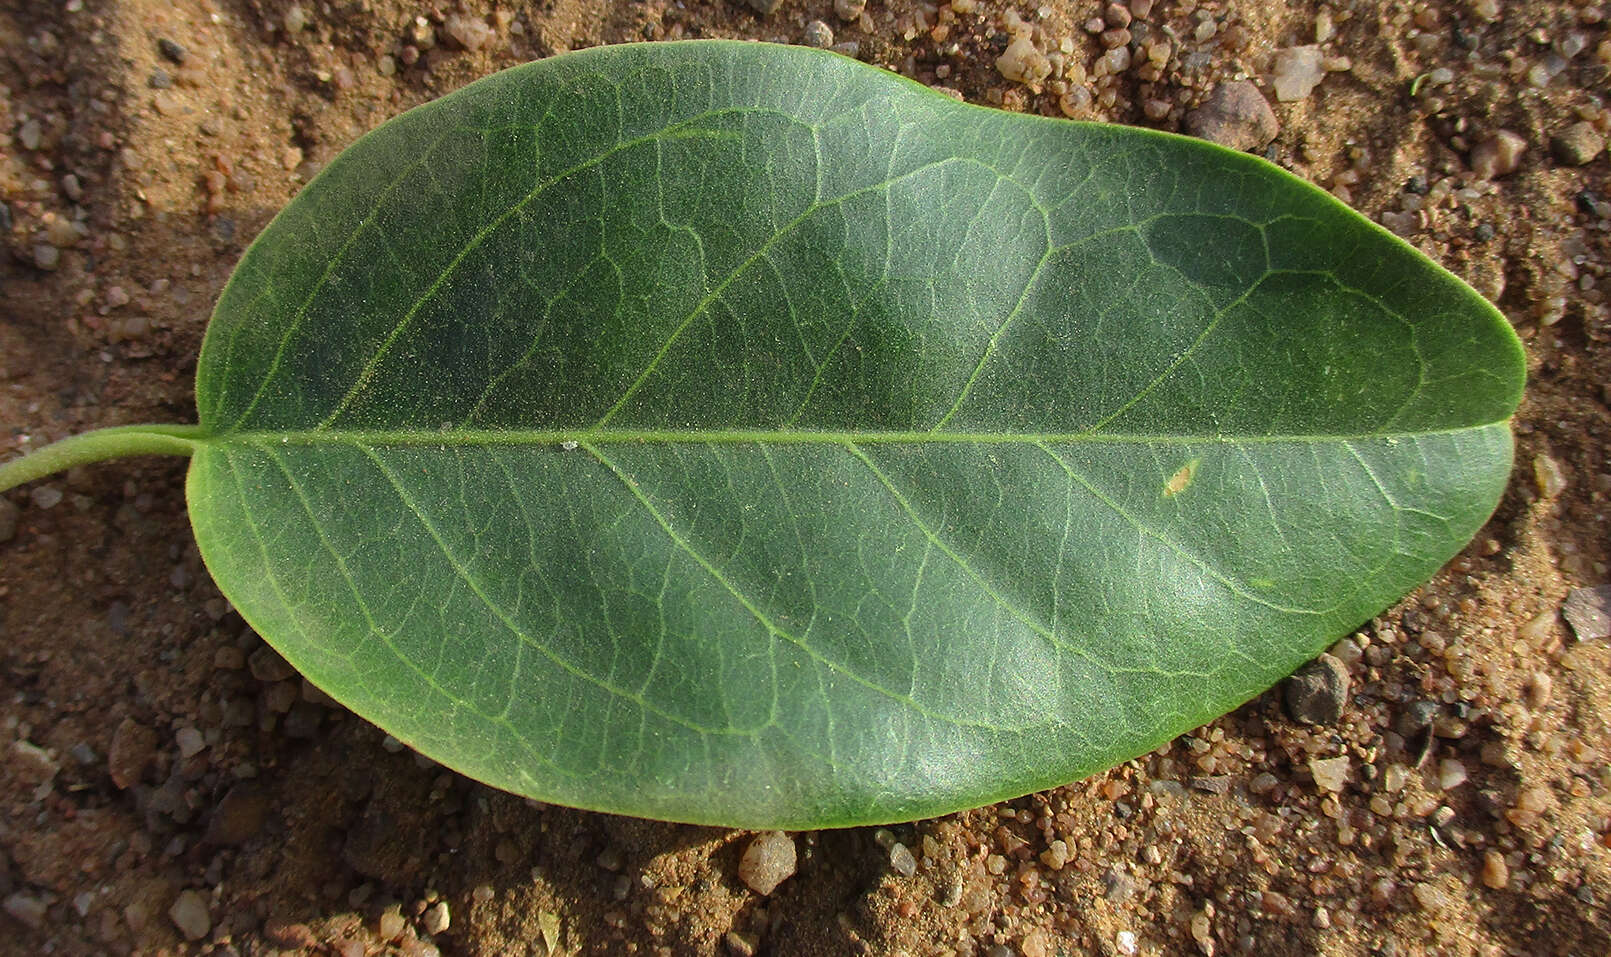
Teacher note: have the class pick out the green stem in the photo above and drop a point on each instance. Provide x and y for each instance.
(99, 445)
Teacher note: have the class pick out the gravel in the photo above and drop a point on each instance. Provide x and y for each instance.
(1578, 144)
(819, 35)
(767, 862)
(1588, 611)
(268, 667)
(30, 134)
(190, 742)
(1548, 476)
(437, 918)
(1022, 62)
(1330, 774)
(26, 908)
(189, 914)
(1298, 70)
(1317, 692)
(470, 32)
(1236, 115)
(1498, 155)
(389, 925)
(901, 860)
(171, 50)
(1495, 872)
(134, 747)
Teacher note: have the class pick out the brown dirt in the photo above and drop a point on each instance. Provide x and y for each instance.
(303, 832)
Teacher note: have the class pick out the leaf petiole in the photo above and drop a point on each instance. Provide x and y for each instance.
(99, 445)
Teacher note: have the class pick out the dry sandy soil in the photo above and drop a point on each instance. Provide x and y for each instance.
(163, 773)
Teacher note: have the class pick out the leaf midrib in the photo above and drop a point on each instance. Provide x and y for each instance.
(591, 436)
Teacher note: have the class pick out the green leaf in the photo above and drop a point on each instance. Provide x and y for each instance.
(739, 434)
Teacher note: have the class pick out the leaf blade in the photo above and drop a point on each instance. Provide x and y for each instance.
(746, 458)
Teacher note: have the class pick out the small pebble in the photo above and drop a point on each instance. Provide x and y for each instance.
(1317, 692)
(1577, 144)
(1125, 943)
(901, 859)
(768, 861)
(1202, 931)
(1056, 855)
(295, 19)
(1539, 685)
(1451, 774)
(190, 742)
(134, 747)
(1022, 62)
(848, 10)
(819, 35)
(1116, 60)
(1429, 896)
(159, 79)
(60, 232)
(1235, 115)
(1330, 774)
(268, 667)
(437, 919)
(1117, 886)
(189, 914)
(1548, 475)
(389, 926)
(1298, 70)
(1498, 155)
(1532, 800)
(30, 134)
(469, 32)
(171, 50)
(46, 256)
(1495, 872)
(1588, 611)
(764, 7)
(26, 908)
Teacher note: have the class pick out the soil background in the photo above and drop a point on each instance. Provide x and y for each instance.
(169, 786)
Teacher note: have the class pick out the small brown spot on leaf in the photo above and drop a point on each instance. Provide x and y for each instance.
(1180, 480)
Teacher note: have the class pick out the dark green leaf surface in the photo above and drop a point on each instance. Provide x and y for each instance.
(740, 434)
